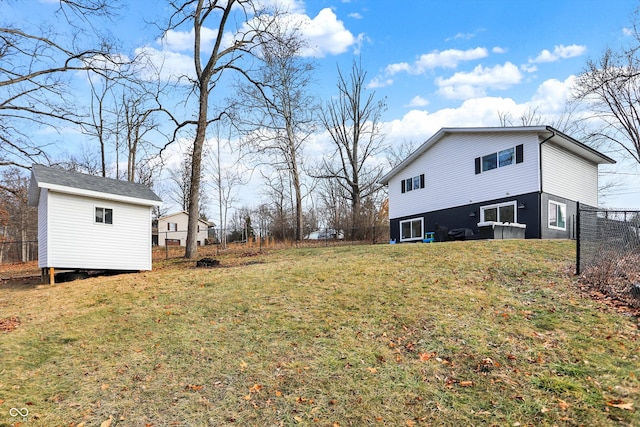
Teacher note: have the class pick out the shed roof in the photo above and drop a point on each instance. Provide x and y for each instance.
(88, 185)
(546, 133)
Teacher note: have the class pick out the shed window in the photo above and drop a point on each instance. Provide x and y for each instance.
(104, 215)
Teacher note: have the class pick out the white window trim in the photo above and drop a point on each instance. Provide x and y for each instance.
(555, 227)
(104, 211)
(499, 205)
(413, 239)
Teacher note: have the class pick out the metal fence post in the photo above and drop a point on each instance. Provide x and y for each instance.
(578, 214)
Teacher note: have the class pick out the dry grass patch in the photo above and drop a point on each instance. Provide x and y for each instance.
(463, 333)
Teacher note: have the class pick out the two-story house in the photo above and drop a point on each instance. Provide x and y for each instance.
(532, 176)
(172, 230)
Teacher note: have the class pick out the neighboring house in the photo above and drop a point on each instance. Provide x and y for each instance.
(91, 223)
(172, 230)
(464, 176)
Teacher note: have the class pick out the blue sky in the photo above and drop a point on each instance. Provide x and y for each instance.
(439, 63)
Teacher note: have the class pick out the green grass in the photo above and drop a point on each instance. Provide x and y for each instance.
(462, 333)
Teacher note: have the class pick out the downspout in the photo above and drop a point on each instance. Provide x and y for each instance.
(553, 133)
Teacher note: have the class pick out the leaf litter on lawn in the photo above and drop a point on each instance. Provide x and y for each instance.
(480, 332)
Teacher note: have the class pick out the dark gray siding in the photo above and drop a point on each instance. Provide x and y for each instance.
(468, 216)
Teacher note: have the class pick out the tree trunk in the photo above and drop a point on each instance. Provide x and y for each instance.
(191, 250)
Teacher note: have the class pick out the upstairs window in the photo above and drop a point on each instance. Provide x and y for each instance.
(500, 159)
(172, 226)
(413, 183)
(104, 215)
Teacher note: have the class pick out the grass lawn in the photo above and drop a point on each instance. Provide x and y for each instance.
(451, 334)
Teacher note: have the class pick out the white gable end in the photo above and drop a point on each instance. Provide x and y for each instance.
(566, 175)
(450, 175)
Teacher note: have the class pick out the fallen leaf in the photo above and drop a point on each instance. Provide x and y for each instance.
(256, 388)
(410, 423)
(372, 370)
(466, 383)
(621, 405)
(563, 405)
(426, 356)
(107, 423)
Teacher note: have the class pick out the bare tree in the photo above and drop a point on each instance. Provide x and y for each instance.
(122, 113)
(277, 116)
(34, 63)
(397, 153)
(353, 122)
(225, 177)
(230, 45)
(610, 86)
(18, 220)
(180, 189)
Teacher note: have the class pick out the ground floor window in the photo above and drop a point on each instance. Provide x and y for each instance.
(557, 215)
(503, 212)
(411, 229)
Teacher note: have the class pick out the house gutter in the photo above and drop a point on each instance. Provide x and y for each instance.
(553, 133)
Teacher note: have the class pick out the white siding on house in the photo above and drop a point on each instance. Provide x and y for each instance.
(450, 178)
(77, 241)
(566, 175)
(43, 230)
(181, 219)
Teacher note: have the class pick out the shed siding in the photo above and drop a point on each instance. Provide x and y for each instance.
(450, 178)
(566, 175)
(77, 241)
(43, 230)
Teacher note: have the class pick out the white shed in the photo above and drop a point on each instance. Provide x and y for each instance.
(89, 222)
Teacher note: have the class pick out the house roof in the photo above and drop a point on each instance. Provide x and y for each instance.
(545, 133)
(208, 223)
(89, 186)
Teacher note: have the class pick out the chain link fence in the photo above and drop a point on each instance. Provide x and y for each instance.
(18, 251)
(257, 239)
(608, 252)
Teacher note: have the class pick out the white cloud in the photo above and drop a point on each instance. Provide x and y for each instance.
(183, 41)
(465, 85)
(449, 58)
(326, 34)
(418, 101)
(559, 52)
(552, 95)
(627, 32)
(499, 50)
(378, 82)
(418, 125)
(355, 15)
(170, 66)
